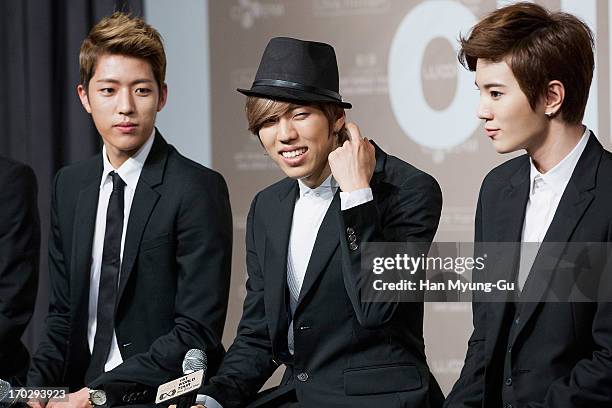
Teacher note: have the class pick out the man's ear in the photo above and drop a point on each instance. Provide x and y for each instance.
(339, 122)
(555, 94)
(163, 97)
(83, 97)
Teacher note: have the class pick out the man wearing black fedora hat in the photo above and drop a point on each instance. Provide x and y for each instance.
(303, 307)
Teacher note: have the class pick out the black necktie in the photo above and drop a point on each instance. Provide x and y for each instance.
(109, 277)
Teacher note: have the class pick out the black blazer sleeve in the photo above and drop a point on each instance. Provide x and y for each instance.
(203, 263)
(237, 382)
(411, 214)
(49, 360)
(19, 256)
(468, 391)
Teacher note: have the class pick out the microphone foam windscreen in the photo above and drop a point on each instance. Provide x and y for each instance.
(194, 360)
(5, 389)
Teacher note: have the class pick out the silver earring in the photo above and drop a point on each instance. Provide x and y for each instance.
(549, 114)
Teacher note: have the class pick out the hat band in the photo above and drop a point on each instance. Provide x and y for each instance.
(295, 85)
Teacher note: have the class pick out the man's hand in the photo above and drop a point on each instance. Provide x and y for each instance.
(36, 403)
(352, 164)
(79, 399)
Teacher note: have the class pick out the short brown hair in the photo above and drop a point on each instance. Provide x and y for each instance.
(259, 110)
(122, 34)
(539, 46)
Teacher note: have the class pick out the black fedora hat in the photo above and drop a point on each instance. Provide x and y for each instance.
(296, 70)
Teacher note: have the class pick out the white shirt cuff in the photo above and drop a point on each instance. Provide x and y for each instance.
(208, 402)
(355, 198)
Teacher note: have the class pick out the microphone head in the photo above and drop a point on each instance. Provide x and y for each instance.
(5, 389)
(194, 360)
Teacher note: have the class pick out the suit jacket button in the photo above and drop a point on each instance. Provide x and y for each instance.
(508, 381)
(353, 246)
(303, 377)
(352, 238)
(350, 231)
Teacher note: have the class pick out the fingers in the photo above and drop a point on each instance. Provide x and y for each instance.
(354, 133)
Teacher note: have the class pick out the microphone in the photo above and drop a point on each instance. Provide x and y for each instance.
(194, 361)
(5, 390)
(184, 390)
(6, 399)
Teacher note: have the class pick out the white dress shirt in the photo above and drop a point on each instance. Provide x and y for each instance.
(129, 172)
(545, 194)
(310, 209)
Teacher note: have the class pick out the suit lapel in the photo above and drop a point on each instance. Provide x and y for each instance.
(575, 200)
(145, 199)
(328, 239)
(510, 214)
(83, 234)
(275, 261)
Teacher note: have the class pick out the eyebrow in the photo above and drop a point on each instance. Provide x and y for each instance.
(491, 85)
(115, 81)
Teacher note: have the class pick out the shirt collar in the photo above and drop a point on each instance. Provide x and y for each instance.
(327, 187)
(558, 177)
(130, 170)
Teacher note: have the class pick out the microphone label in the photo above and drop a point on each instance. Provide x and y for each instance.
(180, 386)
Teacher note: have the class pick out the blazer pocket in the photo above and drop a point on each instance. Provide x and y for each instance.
(154, 242)
(381, 379)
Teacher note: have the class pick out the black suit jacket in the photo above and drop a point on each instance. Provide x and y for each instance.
(347, 353)
(19, 256)
(174, 277)
(561, 356)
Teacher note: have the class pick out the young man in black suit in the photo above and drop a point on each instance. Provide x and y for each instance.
(140, 244)
(303, 307)
(19, 256)
(534, 70)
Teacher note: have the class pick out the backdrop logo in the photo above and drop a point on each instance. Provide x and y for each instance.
(335, 8)
(439, 74)
(428, 90)
(246, 12)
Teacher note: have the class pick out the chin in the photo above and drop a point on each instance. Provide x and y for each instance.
(503, 148)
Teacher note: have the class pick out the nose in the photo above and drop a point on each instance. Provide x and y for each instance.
(484, 111)
(286, 130)
(125, 102)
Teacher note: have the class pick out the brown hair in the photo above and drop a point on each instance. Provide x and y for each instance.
(259, 110)
(122, 34)
(539, 46)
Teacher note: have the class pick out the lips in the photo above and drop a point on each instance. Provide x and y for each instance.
(491, 132)
(126, 127)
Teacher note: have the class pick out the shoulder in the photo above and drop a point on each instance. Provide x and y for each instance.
(16, 176)
(189, 170)
(81, 170)
(269, 198)
(405, 176)
(501, 174)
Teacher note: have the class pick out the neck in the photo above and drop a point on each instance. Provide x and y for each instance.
(117, 158)
(559, 141)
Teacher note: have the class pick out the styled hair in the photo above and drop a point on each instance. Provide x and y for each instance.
(539, 46)
(122, 34)
(259, 110)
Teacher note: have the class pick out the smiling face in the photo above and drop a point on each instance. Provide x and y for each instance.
(299, 142)
(509, 120)
(123, 99)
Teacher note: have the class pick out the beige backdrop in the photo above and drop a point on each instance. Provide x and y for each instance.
(398, 67)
